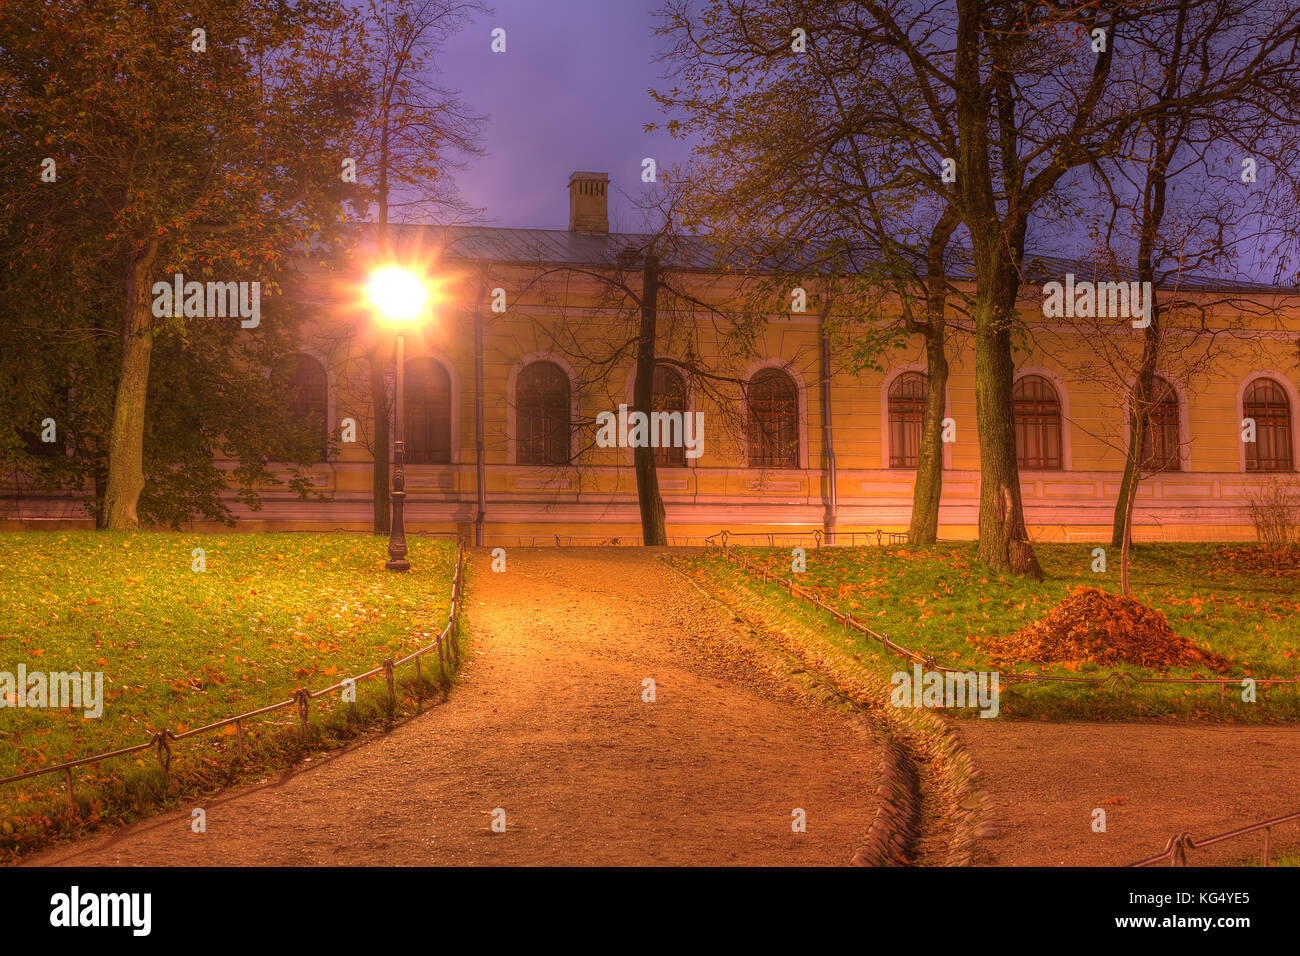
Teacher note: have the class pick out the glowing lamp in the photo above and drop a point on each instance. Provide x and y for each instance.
(399, 295)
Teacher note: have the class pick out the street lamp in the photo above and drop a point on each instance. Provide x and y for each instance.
(400, 298)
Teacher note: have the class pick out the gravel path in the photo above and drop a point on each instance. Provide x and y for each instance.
(1153, 780)
(548, 724)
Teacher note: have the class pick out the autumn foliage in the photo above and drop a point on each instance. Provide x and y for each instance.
(1092, 625)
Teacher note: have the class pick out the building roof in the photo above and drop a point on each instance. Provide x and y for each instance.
(567, 247)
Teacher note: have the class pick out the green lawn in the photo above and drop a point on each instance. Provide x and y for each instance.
(1229, 598)
(179, 648)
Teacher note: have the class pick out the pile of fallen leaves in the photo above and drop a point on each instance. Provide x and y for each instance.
(1094, 626)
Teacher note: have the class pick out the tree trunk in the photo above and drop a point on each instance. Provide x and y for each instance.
(924, 528)
(1139, 413)
(126, 435)
(382, 439)
(930, 458)
(1127, 488)
(653, 518)
(1003, 540)
(1128, 544)
(1141, 399)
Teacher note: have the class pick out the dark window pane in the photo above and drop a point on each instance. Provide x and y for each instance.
(1038, 423)
(1266, 402)
(542, 421)
(1160, 444)
(907, 394)
(428, 413)
(773, 424)
(669, 396)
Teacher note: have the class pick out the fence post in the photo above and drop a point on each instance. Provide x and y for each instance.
(303, 696)
(1180, 852)
(388, 676)
(239, 737)
(164, 752)
(71, 800)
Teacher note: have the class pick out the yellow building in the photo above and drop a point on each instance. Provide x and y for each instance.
(555, 356)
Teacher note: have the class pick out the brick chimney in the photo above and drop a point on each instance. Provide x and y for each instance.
(589, 202)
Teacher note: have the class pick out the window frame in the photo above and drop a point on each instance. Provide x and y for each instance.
(1285, 427)
(521, 447)
(409, 447)
(1039, 462)
(754, 443)
(917, 403)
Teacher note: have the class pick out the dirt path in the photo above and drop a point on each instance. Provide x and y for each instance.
(1153, 780)
(548, 723)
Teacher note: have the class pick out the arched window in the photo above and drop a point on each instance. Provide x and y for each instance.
(1265, 401)
(1160, 443)
(907, 394)
(428, 412)
(1038, 423)
(307, 396)
(542, 419)
(670, 396)
(773, 426)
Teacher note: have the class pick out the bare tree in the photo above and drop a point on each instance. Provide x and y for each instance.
(1168, 212)
(1013, 96)
(793, 176)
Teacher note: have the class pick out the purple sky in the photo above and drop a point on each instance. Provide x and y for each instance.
(569, 93)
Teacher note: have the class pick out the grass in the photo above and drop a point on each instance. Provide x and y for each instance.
(180, 648)
(1229, 598)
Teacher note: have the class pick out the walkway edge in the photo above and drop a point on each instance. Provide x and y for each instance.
(931, 804)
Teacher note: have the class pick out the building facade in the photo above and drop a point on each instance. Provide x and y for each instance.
(808, 446)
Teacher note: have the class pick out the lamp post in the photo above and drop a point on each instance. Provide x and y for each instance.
(400, 298)
(397, 530)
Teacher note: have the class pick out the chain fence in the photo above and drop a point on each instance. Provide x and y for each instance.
(447, 646)
(817, 538)
(1175, 851)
